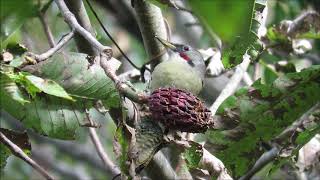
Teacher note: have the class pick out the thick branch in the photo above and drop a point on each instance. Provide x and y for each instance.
(78, 9)
(160, 167)
(299, 21)
(214, 166)
(232, 84)
(151, 24)
(72, 21)
(19, 153)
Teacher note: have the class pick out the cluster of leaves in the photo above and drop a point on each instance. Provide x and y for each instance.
(45, 106)
(262, 112)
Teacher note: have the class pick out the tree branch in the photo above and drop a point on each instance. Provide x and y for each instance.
(299, 21)
(151, 24)
(72, 21)
(159, 166)
(265, 159)
(232, 85)
(214, 166)
(100, 150)
(64, 40)
(78, 9)
(47, 30)
(19, 153)
(122, 87)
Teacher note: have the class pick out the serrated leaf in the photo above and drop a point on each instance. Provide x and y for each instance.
(247, 42)
(49, 115)
(18, 138)
(56, 117)
(261, 112)
(74, 73)
(48, 86)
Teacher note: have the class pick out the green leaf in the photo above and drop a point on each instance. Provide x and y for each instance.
(79, 78)
(16, 62)
(49, 115)
(149, 140)
(34, 84)
(18, 138)
(268, 74)
(13, 14)
(260, 114)
(248, 41)
(9, 87)
(193, 155)
(48, 86)
(52, 116)
(4, 154)
(226, 18)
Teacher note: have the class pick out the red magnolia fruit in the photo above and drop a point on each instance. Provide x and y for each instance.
(179, 110)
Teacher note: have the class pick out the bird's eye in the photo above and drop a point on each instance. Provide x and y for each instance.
(186, 48)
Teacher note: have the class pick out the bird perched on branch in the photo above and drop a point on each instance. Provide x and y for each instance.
(184, 70)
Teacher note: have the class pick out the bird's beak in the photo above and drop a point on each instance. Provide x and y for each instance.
(167, 43)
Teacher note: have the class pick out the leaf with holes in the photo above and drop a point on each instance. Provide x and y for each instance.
(259, 113)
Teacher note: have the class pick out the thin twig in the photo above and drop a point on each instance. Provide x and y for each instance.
(100, 150)
(265, 159)
(50, 52)
(232, 84)
(47, 30)
(19, 153)
(121, 86)
(72, 21)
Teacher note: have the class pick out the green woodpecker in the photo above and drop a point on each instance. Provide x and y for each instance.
(184, 70)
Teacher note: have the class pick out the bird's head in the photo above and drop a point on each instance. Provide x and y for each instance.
(187, 53)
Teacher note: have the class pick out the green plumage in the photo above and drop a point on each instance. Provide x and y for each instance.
(176, 73)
